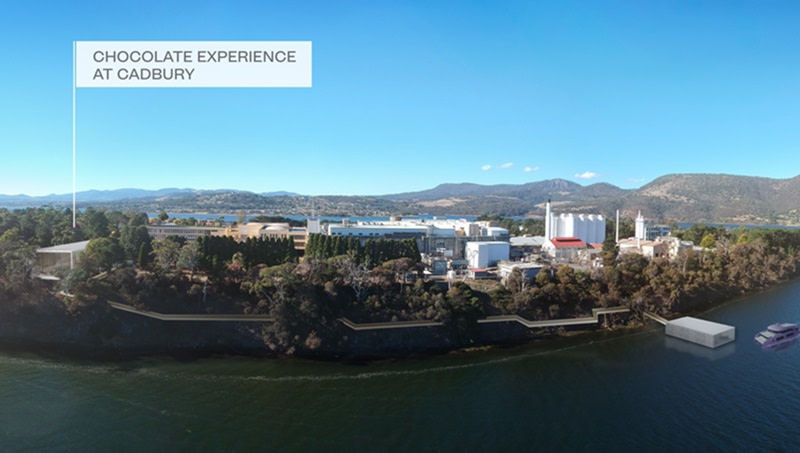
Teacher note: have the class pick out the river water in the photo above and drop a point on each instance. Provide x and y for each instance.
(638, 391)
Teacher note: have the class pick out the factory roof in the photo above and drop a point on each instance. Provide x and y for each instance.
(562, 242)
(529, 241)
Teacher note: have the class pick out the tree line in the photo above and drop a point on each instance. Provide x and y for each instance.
(217, 251)
(375, 280)
(371, 251)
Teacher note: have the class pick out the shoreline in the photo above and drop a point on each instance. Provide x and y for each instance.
(189, 344)
(84, 349)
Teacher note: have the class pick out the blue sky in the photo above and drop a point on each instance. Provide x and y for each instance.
(408, 95)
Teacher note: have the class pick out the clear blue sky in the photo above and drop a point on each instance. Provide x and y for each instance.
(407, 95)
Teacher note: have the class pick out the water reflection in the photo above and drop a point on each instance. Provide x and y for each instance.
(781, 346)
(699, 351)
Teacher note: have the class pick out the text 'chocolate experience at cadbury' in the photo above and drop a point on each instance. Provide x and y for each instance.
(202, 56)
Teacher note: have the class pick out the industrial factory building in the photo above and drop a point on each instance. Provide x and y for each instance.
(589, 228)
(443, 237)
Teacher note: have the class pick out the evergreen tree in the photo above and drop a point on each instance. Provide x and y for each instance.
(145, 255)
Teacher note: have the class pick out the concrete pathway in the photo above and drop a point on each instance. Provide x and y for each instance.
(594, 319)
(190, 317)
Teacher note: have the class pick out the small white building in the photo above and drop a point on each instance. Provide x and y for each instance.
(67, 256)
(313, 225)
(529, 270)
(669, 246)
(523, 247)
(676, 246)
(480, 255)
(189, 232)
(649, 249)
(564, 248)
(700, 331)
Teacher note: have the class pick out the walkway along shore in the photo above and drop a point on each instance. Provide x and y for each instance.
(655, 318)
(189, 317)
(594, 319)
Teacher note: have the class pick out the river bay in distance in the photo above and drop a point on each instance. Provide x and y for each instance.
(637, 391)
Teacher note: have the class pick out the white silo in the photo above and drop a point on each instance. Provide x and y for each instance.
(580, 227)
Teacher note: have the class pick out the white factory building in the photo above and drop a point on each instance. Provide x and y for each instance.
(481, 255)
(443, 237)
(590, 228)
(398, 228)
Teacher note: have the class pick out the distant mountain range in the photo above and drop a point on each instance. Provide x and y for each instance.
(90, 196)
(678, 197)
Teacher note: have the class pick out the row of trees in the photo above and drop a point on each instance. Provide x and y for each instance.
(371, 251)
(216, 252)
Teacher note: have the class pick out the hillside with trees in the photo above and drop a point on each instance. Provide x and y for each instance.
(707, 198)
(374, 281)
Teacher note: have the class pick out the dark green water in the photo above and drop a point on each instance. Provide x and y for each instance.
(635, 392)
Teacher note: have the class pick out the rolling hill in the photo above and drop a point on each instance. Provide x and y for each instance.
(677, 197)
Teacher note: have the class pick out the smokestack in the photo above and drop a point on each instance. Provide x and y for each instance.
(547, 220)
(617, 225)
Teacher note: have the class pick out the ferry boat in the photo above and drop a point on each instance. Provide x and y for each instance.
(778, 333)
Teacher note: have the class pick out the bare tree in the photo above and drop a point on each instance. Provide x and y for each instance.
(516, 281)
(166, 253)
(17, 261)
(275, 283)
(188, 256)
(355, 274)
